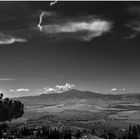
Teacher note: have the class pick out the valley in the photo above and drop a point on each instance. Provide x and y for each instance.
(81, 110)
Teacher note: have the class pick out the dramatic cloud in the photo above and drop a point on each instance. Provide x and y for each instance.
(9, 39)
(19, 90)
(85, 28)
(43, 14)
(56, 89)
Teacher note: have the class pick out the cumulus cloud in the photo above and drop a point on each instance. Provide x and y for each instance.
(19, 90)
(9, 39)
(85, 28)
(47, 89)
(64, 88)
(56, 89)
(114, 89)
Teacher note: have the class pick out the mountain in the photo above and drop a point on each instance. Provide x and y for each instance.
(79, 104)
(74, 93)
(82, 109)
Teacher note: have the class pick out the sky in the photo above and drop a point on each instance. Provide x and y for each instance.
(50, 47)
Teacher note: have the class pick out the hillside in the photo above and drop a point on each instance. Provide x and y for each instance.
(82, 110)
(73, 94)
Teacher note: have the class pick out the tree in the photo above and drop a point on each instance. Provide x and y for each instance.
(10, 109)
(134, 132)
(93, 131)
(1, 95)
(78, 134)
(130, 128)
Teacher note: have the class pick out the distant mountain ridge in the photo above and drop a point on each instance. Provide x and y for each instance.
(76, 100)
(74, 93)
(67, 94)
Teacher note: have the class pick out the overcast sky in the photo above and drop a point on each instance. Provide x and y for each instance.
(84, 45)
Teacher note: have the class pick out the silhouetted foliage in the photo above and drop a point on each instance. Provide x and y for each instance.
(3, 126)
(78, 134)
(0, 134)
(67, 133)
(1, 95)
(93, 131)
(107, 134)
(10, 109)
(130, 127)
(133, 132)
